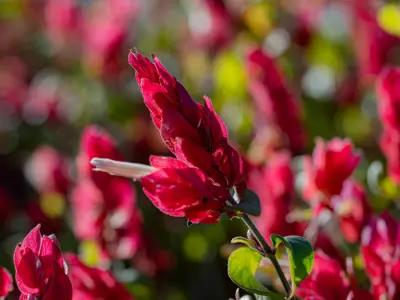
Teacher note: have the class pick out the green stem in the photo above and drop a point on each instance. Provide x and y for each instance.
(268, 250)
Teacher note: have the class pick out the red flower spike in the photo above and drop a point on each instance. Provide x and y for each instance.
(328, 281)
(275, 187)
(380, 251)
(104, 208)
(352, 209)
(388, 93)
(92, 283)
(6, 282)
(179, 190)
(276, 106)
(330, 165)
(194, 133)
(40, 268)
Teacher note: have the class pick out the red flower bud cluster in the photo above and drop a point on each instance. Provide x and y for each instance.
(196, 184)
(276, 107)
(41, 272)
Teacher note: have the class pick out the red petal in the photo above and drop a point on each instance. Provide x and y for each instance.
(6, 282)
(29, 273)
(50, 253)
(59, 287)
(32, 241)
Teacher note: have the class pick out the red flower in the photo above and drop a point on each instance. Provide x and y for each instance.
(373, 46)
(388, 93)
(328, 281)
(40, 268)
(274, 186)
(179, 190)
(194, 133)
(104, 207)
(331, 164)
(93, 283)
(6, 282)
(95, 142)
(352, 208)
(276, 106)
(48, 171)
(380, 251)
(219, 27)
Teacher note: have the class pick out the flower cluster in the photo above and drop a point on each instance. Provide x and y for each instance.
(104, 209)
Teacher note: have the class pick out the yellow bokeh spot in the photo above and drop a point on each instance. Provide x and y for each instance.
(229, 76)
(52, 204)
(90, 252)
(258, 17)
(389, 18)
(195, 246)
(389, 187)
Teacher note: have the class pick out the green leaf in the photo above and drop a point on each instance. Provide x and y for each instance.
(242, 240)
(301, 257)
(242, 266)
(250, 203)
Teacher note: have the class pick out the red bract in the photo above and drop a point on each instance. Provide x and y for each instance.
(330, 165)
(380, 250)
(352, 209)
(388, 92)
(328, 281)
(274, 186)
(276, 106)
(179, 190)
(194, 133)
(41, 271)
(6, 282)
(104, 209)
(93, 283)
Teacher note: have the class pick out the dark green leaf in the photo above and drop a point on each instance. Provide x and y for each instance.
(250, 203)
(301, 257)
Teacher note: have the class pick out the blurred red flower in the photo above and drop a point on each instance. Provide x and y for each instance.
(380, 251)
(93, 283)
(352, 209)
(194, 133)
(48, 171)
(6, 282)
(388, 92)
(331, 164)
(328, 281)
(274, 184)
(276, 106)
(40, 268)
(104, 208)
